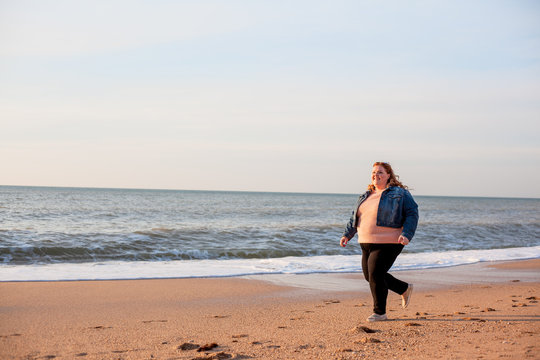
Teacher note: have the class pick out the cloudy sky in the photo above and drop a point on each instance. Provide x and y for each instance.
(299, 96)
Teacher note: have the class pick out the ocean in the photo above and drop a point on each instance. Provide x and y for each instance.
(86, 233)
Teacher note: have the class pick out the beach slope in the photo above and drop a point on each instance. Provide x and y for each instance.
(474, 315)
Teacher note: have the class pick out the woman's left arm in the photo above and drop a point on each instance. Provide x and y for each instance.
(410, 213)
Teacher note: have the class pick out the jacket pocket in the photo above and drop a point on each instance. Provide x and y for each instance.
(396, 203)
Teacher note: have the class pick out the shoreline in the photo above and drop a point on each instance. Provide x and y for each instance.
(225, 268)
(425, 279)
(276, 317)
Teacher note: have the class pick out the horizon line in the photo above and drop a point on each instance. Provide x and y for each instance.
(251, 191)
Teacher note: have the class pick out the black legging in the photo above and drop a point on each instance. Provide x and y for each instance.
(377, 259)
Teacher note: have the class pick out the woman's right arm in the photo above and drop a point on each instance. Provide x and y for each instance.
(350, 229)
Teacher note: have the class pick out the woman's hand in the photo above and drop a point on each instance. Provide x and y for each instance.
(402, 240)
(343, 241)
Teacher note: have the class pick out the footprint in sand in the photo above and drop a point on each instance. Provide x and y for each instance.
(366, 340)
(188, 346)
(239, 336)
(362, 330)
(193, 346)
(218, 356)
(473, 319)
(207, 347)
(519, 305)
(328, 302)
(6, 336)
(152, 321)
(488, 310)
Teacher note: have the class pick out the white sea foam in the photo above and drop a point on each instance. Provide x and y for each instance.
(237, 267)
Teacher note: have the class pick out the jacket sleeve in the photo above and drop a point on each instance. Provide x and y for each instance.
(410, 214)
(350, 229)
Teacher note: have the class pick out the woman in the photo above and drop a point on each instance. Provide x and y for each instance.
(385, 218)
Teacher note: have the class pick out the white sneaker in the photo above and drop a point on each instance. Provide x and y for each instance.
(406, 296)
(377, 317)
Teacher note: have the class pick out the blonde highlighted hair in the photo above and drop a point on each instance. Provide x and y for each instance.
(393, 180)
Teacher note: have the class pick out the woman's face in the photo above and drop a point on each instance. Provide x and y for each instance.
(379, 177)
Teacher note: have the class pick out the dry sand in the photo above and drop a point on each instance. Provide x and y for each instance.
(475, 312)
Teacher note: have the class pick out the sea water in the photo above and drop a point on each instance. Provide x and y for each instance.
(86, 233)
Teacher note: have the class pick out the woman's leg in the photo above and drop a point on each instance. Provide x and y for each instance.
(379, 259)
(394, 284)
(365, 256)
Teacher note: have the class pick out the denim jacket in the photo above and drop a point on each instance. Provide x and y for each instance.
(397, 208)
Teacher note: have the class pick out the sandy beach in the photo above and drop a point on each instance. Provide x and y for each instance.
(480, 311)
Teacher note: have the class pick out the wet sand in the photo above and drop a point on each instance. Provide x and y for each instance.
(481, 311)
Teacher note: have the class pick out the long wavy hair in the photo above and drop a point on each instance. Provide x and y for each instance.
(393, 180)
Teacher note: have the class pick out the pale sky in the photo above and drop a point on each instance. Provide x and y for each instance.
(299, 96)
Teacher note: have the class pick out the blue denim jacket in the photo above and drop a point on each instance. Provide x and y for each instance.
(397, 208)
